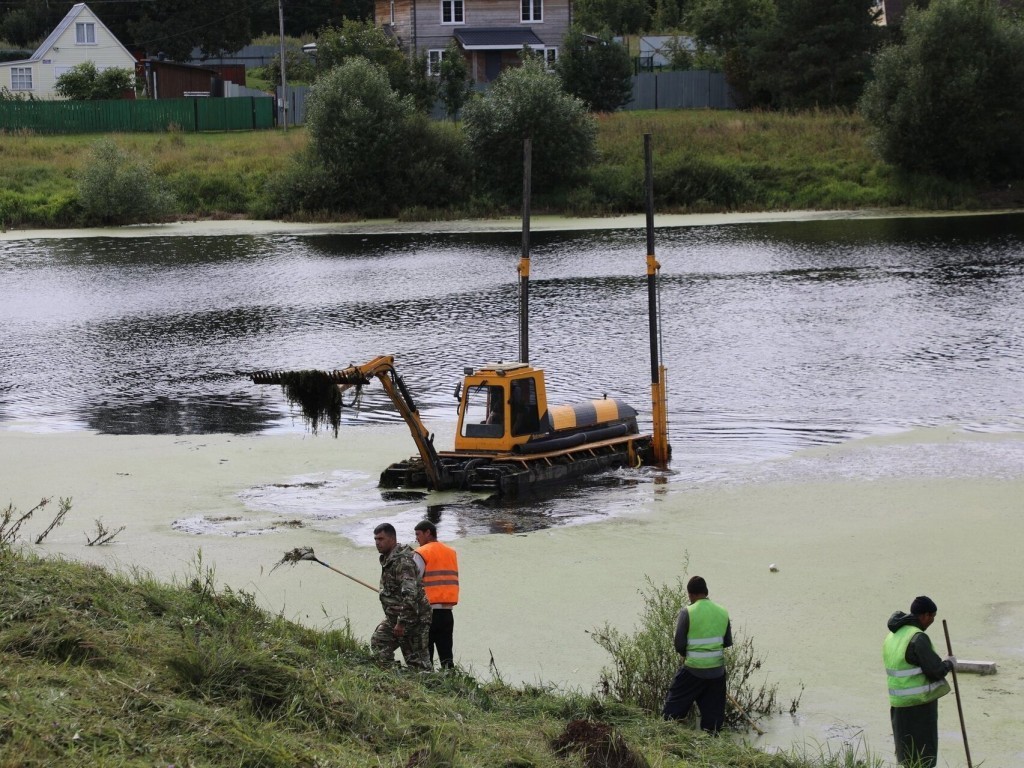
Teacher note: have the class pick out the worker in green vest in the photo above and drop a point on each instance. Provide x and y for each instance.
(917, 681)
(703, 632)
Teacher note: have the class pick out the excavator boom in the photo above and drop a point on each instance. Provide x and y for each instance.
(382, 368)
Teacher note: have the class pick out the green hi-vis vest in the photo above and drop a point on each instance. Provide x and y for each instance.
(705, 641)
(908, 685)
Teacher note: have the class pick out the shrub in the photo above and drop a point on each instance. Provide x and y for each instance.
(370, 151)
(115, 188)
(690, 182)
(364, 39)
(527, 102)
(950, 100)
(646, 661)
(359, 131)
(84, 82)
(298, 67)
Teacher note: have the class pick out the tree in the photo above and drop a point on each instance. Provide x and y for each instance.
(724, 24)
(335, 45)
(176, 27)
(623, 17)
(725, 27)
(455, 86)
(83, 82)
(358, 131)
(529, 102)
(816, 53)
(667, 15)
(950, 100)
(599, 73)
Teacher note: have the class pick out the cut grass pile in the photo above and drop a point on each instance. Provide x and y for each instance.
(106, 669)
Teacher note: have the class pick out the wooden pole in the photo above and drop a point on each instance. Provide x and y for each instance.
(956, 690)
(284, 81)
(357, 581)
(743, 712)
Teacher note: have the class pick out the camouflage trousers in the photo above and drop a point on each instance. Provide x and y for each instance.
(414, 644)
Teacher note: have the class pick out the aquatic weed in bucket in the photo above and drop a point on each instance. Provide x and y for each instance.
(317, 396)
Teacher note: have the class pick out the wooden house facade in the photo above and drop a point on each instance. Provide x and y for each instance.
(490, 33)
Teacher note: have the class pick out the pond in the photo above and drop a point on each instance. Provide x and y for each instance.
(776, 336)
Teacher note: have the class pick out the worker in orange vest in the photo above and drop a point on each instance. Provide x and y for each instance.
(439, 569)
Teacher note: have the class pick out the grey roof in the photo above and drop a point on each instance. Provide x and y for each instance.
(497, 38)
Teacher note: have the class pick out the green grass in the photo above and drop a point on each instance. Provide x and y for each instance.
(121, 670)
(705, 161)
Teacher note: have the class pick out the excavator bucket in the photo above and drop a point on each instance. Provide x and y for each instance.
(316, 393)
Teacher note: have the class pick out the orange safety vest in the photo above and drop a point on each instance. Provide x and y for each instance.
(440, 574)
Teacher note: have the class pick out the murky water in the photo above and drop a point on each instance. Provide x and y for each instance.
(776, 336)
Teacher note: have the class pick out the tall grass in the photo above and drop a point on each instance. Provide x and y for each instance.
(103, 669)
(705, 161)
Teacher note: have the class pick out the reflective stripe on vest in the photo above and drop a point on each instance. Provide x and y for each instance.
(440, 573)
(705, 641)
(908, 685)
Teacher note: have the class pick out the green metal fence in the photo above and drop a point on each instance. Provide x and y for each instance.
(242, 113)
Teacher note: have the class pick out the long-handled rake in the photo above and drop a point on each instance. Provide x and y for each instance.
(306, 553)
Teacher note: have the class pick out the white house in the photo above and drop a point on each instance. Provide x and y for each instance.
(80, 37)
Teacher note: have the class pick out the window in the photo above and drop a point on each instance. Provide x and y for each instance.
(485, 412)
(452, 12)
(21, 78)
(85, 33)
(550, 57)
(392, 12)
(533, 10)
(434, 57)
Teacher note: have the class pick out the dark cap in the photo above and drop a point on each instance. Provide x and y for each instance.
(697, 586)
(923, 604)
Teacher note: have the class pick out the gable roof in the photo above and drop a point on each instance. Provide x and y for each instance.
(59, 30)
(70, 18)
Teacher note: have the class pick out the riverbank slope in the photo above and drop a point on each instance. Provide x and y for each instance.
(705, 162)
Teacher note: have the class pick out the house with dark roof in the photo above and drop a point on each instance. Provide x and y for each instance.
(490, 33)
(80, 37)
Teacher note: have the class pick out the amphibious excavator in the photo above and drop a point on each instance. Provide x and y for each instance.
(510, 442)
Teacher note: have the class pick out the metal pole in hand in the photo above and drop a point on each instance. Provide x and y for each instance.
(956, 690)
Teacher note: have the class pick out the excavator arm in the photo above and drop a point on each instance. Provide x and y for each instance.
(382, 368)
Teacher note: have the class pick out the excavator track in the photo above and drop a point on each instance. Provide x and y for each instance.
(515, 476)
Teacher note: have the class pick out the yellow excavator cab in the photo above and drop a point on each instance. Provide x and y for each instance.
(501, 405)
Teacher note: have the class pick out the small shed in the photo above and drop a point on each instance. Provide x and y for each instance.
(174, 80)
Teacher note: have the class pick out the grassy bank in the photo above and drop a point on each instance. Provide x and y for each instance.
(102, 669)
(705, 161)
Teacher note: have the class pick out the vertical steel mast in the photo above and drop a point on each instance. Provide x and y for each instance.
(658, 391)
(524, 262)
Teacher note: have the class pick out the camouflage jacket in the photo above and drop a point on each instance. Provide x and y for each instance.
(401, 591)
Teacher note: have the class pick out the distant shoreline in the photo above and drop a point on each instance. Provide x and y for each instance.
(223, 227)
